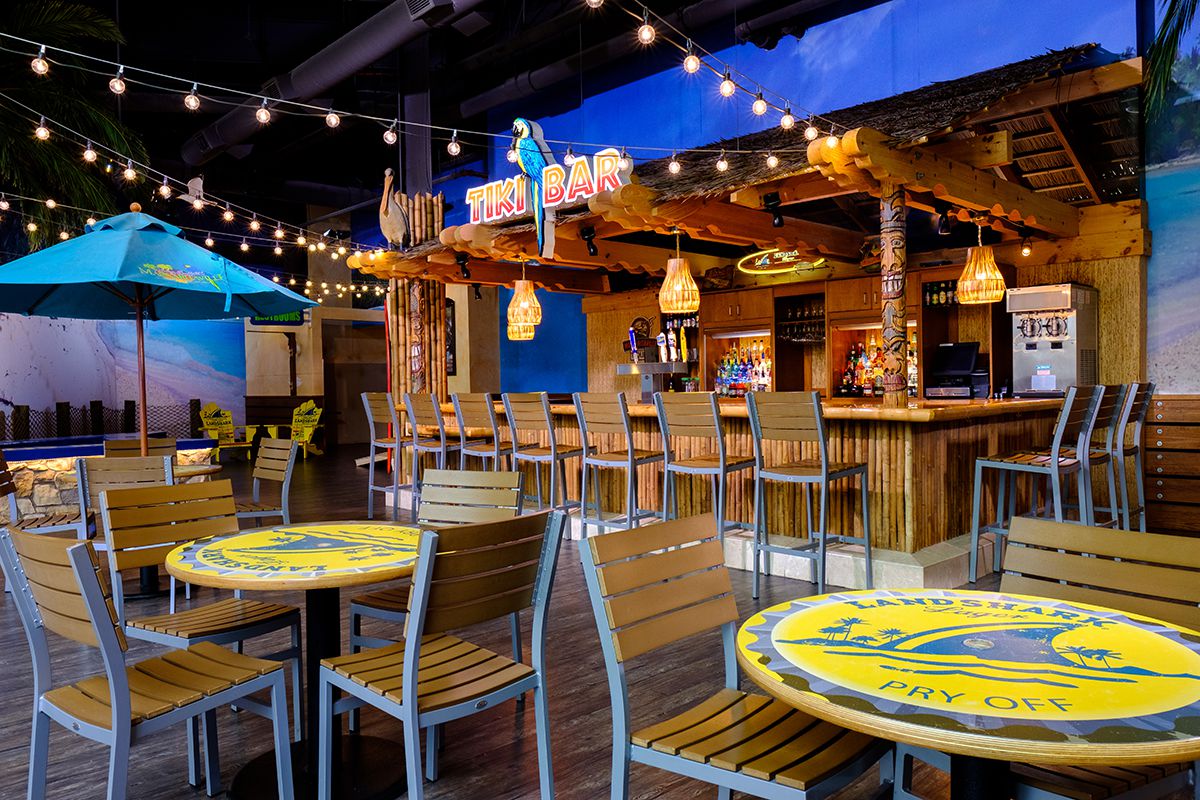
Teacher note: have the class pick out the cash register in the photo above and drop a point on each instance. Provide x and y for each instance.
(954, 372)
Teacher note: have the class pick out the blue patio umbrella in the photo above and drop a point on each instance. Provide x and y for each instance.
(135, 266)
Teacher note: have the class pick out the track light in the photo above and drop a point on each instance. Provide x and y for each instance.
(39, 64)
(771, 203)
(117, 84)
(263, 114)
(588, 234)
(191, 100)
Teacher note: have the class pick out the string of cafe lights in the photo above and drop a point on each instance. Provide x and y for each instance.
(695, 59)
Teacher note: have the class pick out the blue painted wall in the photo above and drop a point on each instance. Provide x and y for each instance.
(555, 360)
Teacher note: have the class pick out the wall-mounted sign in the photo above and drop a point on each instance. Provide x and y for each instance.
(544, 184)
(776, 262)
(286, 318)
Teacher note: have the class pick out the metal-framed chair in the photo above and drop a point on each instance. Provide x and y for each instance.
(142, 525)
(695, 415)
(80, 522)
(795, 417)
(607, 414)
(465, 576)
(388, 436)
(476, 411)
(527, 412)
(61, 587)
(424, 415)
(275, 461)
(96, 475)
(1126, 444)
(660, 584)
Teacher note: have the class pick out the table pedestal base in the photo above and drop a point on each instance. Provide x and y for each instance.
(978, 778)
(368, 768)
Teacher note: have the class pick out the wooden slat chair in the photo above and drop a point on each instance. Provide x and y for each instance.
(695, 415)
(1150, 574)
(275, 461)
(97, 475)
(132, 448)
(81, 521)
(1056, 466)
(388, 436)
(61, 587)
(465, 576)
(796, 417)
(143, 525)
(428, 430)
(218, 424)
(475, 412)
(607, 414)
(528, 412)
(1127, 443)
(660, 584)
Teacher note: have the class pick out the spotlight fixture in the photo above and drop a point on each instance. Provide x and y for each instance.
(390, 136)
(722, 162)
(453, 147)
(788, 120)
(691, 62)
(263, 114)
(117, 84)
(944, 224)
(89, 153)
(588, 234)
(40, 65)
(462, 259)
(478, 292)
(727, 87)
(759, 106)
(673, 166)
(41, 131)
(191, 100)
(332, 119)
(771, 203)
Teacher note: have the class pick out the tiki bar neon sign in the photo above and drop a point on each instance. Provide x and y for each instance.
(560, 185)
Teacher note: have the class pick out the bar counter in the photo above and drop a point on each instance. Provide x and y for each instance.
(920, 462)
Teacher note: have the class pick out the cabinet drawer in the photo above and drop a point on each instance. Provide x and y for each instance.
(1174, 410)
(1172, 517)
(1178, 464)
(1173, 490)
(1172, 437)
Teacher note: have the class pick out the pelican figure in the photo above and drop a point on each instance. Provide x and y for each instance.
(393, 222)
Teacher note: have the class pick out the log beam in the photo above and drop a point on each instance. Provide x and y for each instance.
(982, 152)
(1076, 86)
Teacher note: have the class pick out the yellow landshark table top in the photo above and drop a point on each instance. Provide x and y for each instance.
(985, 674)
(318, 555)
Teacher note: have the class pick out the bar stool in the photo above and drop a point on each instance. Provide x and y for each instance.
(601, 414)
(796, 417)
(530, 411)
(695, 414)
(386, 435)
(425, 413)
(1133, 412)
(476, 410)
(1055, 465)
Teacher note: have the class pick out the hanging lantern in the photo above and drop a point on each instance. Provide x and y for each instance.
(679, 293)
(524, 310)
(520, 331)
(981, 280)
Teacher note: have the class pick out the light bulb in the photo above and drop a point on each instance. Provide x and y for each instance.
(673, 166)
(312, 248)
(255, 225)
(208, 241)
(275, 278)
(324, 285)
(772, 161)
(645, 31)
(227, 214)
(811, 133)
(165, 189)
(722, 162)
(291, 281)
(39, 64)
(263, 114)
(191, 100)
(341, 250)
(321, 245)
(1026, 247)
(332, 119)
(90, 221)
(89, 154)
(3, 203)
(691, 62)
(301, 240)
(308, 283)
(831, 140)
(728, 87)
(333, 255)
(569, 157)
(511, 155)
(117, 84)
(623, 160)
(51, 203)
(279, 234)
(243, 246)
(787, 121)
(64, 235)
(129, 172)
(41, 131)
(453, 147)
(759, 106)
(595, 3)
(389, 136)
(198, 204)
(31, 227)
(279, 252)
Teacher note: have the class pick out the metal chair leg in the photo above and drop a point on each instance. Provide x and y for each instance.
(541, 715)
(666, 505)
(824, 537)
(118, 766)
(758, 532)
(1119, 464)
(297, 682)
(866, 517)
(324, 765)
(1140, 482)
(371, 483)
(1056, 494)
(39, 756)
(720, 501)
(583, 475)
(1001, 504)
(192, 730)
(976, 498)
(212, 755)
(283, 750)
(397, 465)
(431, 753)
(1114, 513)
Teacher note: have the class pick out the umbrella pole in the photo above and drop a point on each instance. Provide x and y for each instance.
(139, 305)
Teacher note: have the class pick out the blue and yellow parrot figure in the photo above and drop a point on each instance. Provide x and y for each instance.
(533, 155)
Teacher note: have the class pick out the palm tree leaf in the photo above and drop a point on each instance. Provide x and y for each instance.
(1177, 18)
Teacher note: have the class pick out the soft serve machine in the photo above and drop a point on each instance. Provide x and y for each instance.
(1055, 338)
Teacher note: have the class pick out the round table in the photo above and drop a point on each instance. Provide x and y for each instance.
(988, 678)
(320, 558)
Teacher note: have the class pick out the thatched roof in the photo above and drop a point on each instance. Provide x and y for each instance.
(909, 116)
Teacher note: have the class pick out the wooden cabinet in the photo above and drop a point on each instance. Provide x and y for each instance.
(1171, 438)
(722, 309)
(853, 296)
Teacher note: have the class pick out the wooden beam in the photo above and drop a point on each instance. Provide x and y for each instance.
(796, 189)
(1058, 122)
(1069, 88)
(982, 152)
(864, 157)
(491, 273)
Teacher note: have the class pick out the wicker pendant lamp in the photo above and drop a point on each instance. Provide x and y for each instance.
(679, 293)
(524, 310)
(981, 281)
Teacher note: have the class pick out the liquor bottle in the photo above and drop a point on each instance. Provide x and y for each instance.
(954, 293)
(911, 366)
(683, 349)
(672, 344)
(942, 294)
(661, 341)
(877, 371)
(928, 299)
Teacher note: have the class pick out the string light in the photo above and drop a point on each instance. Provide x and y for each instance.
(389, 135)
(759, 106)
(31, 227)
(198, 204)
(117, 84)
(51, 203)
(728, 87)
(623, 160)
(191, 100)
(4, 206)
(341, 250)
(89, 154)
(321, 245)
(263, 114)
(673, 165)
(722, 162)
(208, 241)
(1026, 247)
(40, 65)
(811, 133)
(646, 32)
(312, 248)
(90, 221)
(41, 131)
(279, 251)
(511, 155)
(291, 281)
(772, 161)
(788, 120)
(453, 147)
(165, 189)
(64, 235)
(831, 140)
(244, 246)
(130, 173)
(227, 214)
(275, 278)
(595, 3)
(279, 232)
(300, 240)
(570, 157)
(255, 225)
(691, 62)
(332, 119)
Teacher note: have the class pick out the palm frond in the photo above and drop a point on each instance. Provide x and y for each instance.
(57, 22)
(1177, 18)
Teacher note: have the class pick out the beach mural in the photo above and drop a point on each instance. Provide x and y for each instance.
(45, 360)
(1173, 195)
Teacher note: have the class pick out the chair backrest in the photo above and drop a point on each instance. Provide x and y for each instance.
(601, 413)
(8, 488)
(475, 410)
(275, 460)
(1108, 410)
(132, 448)
(689, 414)
(424, 412)
(381, 412)
(97, 475)
(786, 417)
(459, 497)
(1069, 421)
(529, 411)
(143, 525)
(1133, 412)
(217, 423)
(305, 418)
(1143, 573)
